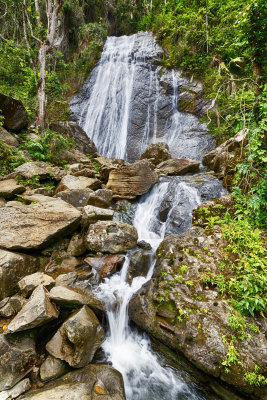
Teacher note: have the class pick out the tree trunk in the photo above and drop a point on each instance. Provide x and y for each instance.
(42, 85)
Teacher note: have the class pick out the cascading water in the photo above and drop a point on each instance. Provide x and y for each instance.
(129, 102)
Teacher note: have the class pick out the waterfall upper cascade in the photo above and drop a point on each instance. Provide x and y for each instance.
(129, 102)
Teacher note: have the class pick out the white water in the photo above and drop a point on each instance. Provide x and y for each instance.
(130, 352)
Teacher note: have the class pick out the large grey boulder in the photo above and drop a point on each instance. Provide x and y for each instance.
(13, 267)
(70, 182)
(100, 198)
(177, 166)
(73, 297)
(92, 214)
(7, 138)
(36, 312)
(36, 225)
(111, 237)
(77, 339)
(76, 133)
(17, 357)
(15, 114)
(30, 282)
(93, 382)
(75, 197)
(10, 187)
(30, 169)
(132, 180)
(156, 153)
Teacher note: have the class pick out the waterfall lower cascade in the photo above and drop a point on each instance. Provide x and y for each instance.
(128, 102)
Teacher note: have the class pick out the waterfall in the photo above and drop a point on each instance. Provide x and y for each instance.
(129, 351)
(129, 101)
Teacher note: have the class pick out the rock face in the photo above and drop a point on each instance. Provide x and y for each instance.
(36, 312)
(75, 132)
(190, 316)
(78, 339)
(92, 214)
(100, 198)
(224, 158)
(177, 166)
(156, 153)
(34, 226)
(9, 139)
(15, 114)
(132, 180)
(30, 282)
(14, 266)
(70, 182)
(30, 169)
(93, 382)
(111, 237)
(9, 188)
(17, 357)
(52, 368)
(106, 265)
(76, 197)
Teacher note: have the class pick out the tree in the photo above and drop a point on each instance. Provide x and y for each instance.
(45, 41)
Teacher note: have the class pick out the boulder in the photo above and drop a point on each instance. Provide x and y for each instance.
(17, 357)
(111, 237)
(177, 166)
(140, 263)
(10, 187)
(11, 306)
(36, 225)
(7, 138)
(66, 279)
(30, 282)
(225, 157)
(76, 133)
(36, 312)
(77, 339)
(132, 180)
(93, 382)
(70, 182)
(13, 267)
(92, 214)
(44, 171)
(53, 368)
(14, 113)
(17, 390)
(80, 169)
(181, 309)
(76, 245)
(100, 198)
(156, 153)
(73, 297)
(107, 265)
(76, 197)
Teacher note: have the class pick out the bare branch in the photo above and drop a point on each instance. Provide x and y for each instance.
(29, 22)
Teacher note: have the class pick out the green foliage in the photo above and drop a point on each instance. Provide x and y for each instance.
(10, 158)
(254, 378)
(232, 354)
(48, 146)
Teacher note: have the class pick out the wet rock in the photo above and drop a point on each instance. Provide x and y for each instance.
(7, 138)
(95, 381)
(192, 317)
(92, 214)
(144, 245)
(76, 133)
(100, 198)
(132, 180)
(66, 279)
(107, 265)
(36, 225)
(53, 368)
(30, 282)
(156, 153)
(76, 197)
(72, 297)
(10, 187)
(140, 263)
(77, 339)
(43, 170)
(177, 166)
(76, 246)
(14, 266)
(111, 237)
(224, 158)
(17, 357)
(36, 312)
(70, 182)
(17, 390)
(14, 113)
